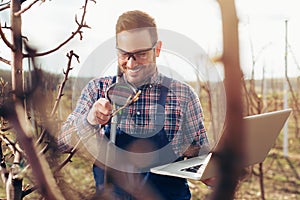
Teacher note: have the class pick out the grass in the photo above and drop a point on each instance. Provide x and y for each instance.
(281, 174)
(281, 178)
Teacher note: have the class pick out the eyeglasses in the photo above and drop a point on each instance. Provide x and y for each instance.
(138, 55)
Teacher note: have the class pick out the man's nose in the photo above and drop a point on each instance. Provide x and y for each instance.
(131, 63)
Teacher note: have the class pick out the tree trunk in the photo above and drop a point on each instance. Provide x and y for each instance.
(230, 156)
(17, 56)
(14, 185)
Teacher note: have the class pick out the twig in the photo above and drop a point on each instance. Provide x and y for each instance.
(43, 175)
(67, 160)
(81, 25)
(5, 61)
(11, 177)
(6, 128)
(8, 44)
(12, 145)
(294, 97)
(294, 57)
(3, 170)
(44, 149)
(59, 95)
(41, 137)
(62, 85)
(28, 191)
(5, 6)
(70, 55)
(15, 180)
(261, 181)
(17, 14)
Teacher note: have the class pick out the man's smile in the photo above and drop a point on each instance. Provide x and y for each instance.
(135, 70)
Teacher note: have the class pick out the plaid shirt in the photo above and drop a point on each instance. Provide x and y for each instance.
(182, 117)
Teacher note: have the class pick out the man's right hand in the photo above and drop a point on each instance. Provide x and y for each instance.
(100, 112)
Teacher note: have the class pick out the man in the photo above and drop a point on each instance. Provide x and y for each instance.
(166, 117)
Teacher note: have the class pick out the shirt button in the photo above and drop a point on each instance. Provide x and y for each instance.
(150, 86)
(138, 112)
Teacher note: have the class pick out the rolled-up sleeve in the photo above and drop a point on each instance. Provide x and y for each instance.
(76, 126)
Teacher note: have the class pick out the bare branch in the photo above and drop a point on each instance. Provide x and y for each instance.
(72, 152)
(292, 92)
(8, 44)
(17, 14)
(58, 98)
(44, 149)
(6, 27)
(12, 145)
(5, 61)
(3, 170)
(62, 85)
(28, 191)
(81, 25)
(15, 181)
(67, 160)
(13, 177)
(45, 181)
(5, 6)
(42, 135)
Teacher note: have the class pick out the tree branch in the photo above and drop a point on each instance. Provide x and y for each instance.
(8, 44)
(12, 145)
(5, 61)
(68, 159)
(62, 85)
(28, 191)
(17, 14)
(43, 175)
(81, 25)
(3, 170)
(5, 6)
(60, 93)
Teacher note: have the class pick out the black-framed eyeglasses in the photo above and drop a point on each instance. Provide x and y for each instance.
(137, 55)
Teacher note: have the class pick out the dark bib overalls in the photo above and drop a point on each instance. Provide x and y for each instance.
(170, 188)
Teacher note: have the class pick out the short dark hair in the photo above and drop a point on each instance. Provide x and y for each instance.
(136, 19)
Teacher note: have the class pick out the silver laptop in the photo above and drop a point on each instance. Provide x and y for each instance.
(261, 132)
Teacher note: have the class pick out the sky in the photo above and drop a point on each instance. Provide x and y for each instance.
(261, 29)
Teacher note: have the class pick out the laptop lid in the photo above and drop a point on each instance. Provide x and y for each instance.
(261, 131)
(260, 136)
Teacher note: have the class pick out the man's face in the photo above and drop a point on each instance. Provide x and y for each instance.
(137, 55)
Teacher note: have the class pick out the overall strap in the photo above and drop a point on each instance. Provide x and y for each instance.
(164, 91)
(114, 79)
(160, 139)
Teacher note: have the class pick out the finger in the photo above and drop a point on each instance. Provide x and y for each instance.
(107, 107)
(103, 106)
(102, 121)
(102, 116)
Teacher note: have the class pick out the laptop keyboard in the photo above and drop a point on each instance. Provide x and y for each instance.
(192, 169)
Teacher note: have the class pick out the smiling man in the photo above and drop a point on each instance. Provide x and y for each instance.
(137, 54)
(166, 119)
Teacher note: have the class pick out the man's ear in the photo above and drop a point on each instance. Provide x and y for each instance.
(158, 48)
